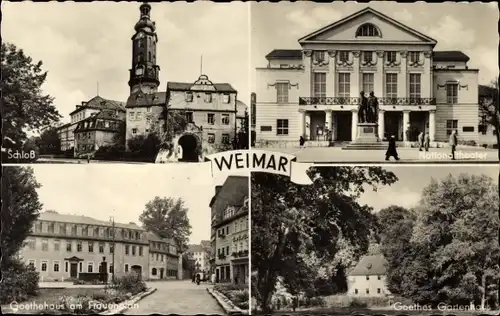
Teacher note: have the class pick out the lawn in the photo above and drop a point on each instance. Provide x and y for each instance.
(238, 294)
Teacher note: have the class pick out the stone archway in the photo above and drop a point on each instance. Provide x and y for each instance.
(190, 145)
(137, 270)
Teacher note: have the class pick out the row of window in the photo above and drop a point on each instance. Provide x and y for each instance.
(189, 96)
(85, 147)
(320, 56)
(158, 257)
(31, 244)
(170, 273)
(368, 84)
(225, 251)
(85, 230)
(367, 291)
(225, 138)
(137, 116)
(56, 266)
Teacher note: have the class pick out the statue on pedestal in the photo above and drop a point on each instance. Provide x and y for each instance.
(372, 108)
(363, 109)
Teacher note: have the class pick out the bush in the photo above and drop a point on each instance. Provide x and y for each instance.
(317, 302)
(19, 281)
(129, 284)
(358, 303)
(81, 305)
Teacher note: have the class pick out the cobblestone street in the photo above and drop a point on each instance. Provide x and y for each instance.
(178, 297)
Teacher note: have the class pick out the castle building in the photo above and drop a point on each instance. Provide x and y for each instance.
(200, 256)
(61, 246)
(314, 91)
(230, 231)
(369, 277)
(208, 110)
(104, 118)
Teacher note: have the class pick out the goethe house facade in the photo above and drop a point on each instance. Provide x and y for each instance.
(314, 91)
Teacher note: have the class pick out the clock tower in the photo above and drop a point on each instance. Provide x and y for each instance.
(144, 75)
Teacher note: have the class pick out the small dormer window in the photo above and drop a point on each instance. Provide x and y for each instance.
(189, 96)
(208, 97)
(225, 98)
(368, 29)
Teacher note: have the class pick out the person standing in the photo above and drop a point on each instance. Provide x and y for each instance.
(301, 142)
(420, 141)
(391, 151)
(213, 278)
(453, 143)
(427, 141)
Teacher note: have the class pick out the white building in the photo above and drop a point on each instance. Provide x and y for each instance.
(369, 277)
(201, 257)
(314, 91)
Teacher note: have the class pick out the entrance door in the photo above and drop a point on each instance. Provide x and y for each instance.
(73, 272)
(161, 273)
(392, 124)
(343, 127)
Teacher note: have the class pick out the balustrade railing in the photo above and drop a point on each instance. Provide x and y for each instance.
(356, 101)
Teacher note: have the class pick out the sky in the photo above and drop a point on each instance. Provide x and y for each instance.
(406, 192)
(468, 27)
(101, 191)
(81, 44)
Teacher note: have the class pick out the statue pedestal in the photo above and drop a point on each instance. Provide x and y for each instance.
(367, 138)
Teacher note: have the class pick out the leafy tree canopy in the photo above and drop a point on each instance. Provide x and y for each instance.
(25, 106)
(167, 217)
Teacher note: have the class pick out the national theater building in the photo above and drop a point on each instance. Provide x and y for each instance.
(61, 246)
(315, 91)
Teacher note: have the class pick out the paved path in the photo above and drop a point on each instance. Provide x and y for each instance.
(406, 155)
(177, 297)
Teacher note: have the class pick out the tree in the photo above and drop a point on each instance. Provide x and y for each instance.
(489, 109)
(453, 253)
(25, 107)
(20, 208)
(297, 231)
(243, 134)
(145, 147)
(167, 217)
(49, 142)
(188, 263)
(395, 234)
(175, 123)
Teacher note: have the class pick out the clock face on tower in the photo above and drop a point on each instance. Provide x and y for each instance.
(139, 71)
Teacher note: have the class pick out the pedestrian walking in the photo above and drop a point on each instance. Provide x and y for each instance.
(302, 141)
(213, 278)
(420, 141)
(427, 141)
(88, 158)
(391, 151)
(453, 143)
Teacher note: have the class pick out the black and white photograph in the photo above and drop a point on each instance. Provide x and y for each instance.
(124, 81)
(382, 240)
(122, 239)
(348, 82)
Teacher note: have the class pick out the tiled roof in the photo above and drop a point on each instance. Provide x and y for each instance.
(206, 244)
(240, 108)
(154, 237)
(141, 99)
(195, 248)
(285, 54)
(184, 86)
(437, 55)
(452, 55)
(370, 265)
(98, 102)
(96, 122)
(233, 193)
(81, 219)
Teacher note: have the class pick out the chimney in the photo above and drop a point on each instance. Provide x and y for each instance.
(217, 189)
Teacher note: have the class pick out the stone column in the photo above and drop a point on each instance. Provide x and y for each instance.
(334, 126)
(355, 81)
(302, 123)
(332, 82)
(381, 124)
(307, 72)
(432, 126)
(231, 271)
(403, 76)
(378, 86)
(354, 125)
(307, 126)
(406, 124)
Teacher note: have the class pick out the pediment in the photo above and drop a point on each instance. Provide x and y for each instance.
(345, 30)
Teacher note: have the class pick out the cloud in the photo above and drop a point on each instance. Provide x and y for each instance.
(311, 20)
(451, 33)
(485, 59)
(387, 196)
(403, 16)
